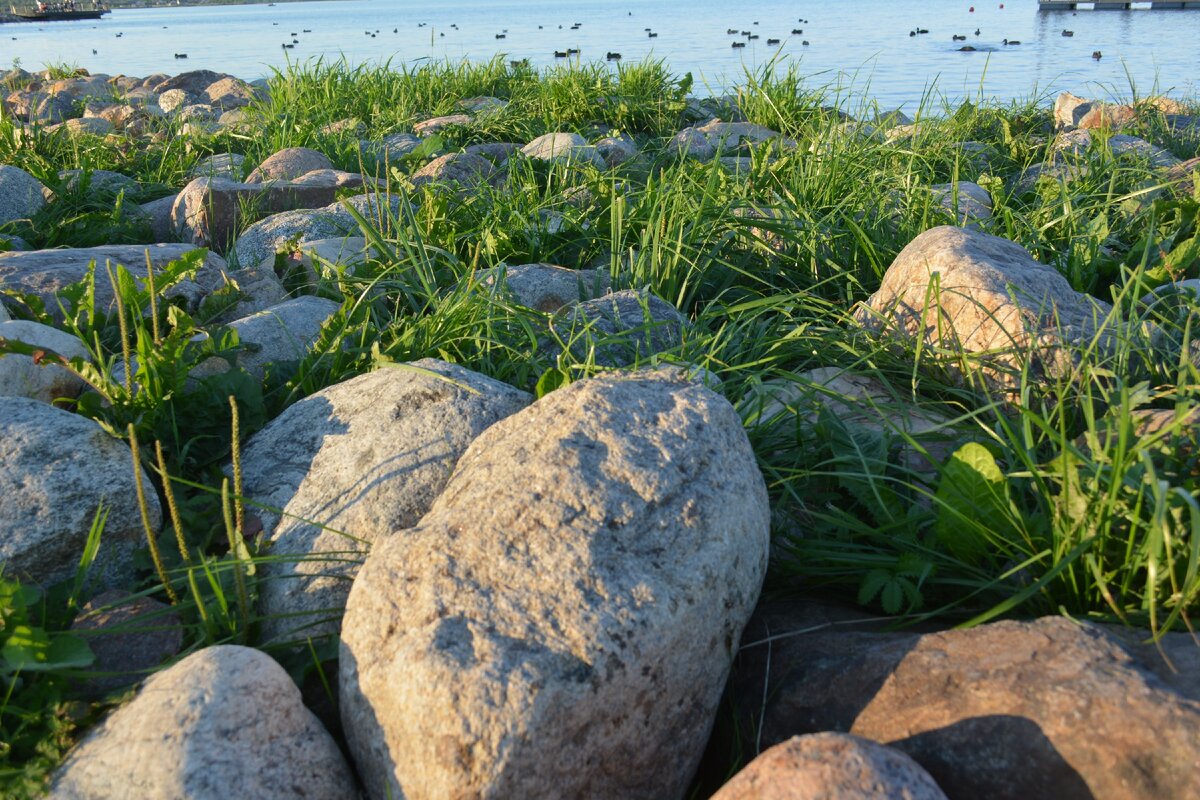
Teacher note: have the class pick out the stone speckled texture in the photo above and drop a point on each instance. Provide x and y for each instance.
(355, 462)
(991, 297)
(547, 287)
(1007, 711)
(208, 212)
(620, 328)
(223, 723)
(128, 635)
(20, 194)
(563, 147)
(561, 623)
(283, 332)
(46, 272)
(288, 164)
(56, 468)
(21, 376)
(831, 766)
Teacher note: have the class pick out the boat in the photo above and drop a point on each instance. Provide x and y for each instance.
(59, 11)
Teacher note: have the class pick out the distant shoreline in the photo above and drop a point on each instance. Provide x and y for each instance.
(148, 4)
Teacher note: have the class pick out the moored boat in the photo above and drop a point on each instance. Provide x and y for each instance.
(59, 11)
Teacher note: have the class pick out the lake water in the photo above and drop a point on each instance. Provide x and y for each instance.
(861, 45)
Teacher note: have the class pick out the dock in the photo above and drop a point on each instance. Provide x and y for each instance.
(1110, 5)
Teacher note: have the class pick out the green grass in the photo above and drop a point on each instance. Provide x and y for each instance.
(1055, 504)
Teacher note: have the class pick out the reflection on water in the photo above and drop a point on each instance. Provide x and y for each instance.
(864, 45)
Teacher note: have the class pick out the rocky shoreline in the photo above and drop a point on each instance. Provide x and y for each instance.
(544, 596)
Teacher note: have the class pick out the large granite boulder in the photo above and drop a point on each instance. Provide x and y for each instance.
(705, 141)
(464, 170)
(823, 766)
(968, 292)
(350, 465)
(58, 469)
(1071, 111)
(564, 148)
(288, 164)
(546, 287)
(618, 329)
(44, 273)
(224, 722)
(208, 212)
(1010, 710)
(21, 194)
(265, 237)
(575, 595)
(27, 376)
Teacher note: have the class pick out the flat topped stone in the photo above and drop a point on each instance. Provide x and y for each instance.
(288, 164)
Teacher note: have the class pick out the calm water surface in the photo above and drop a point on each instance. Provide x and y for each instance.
(863, 46)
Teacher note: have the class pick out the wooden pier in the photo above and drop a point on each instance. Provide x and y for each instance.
(1112, 5)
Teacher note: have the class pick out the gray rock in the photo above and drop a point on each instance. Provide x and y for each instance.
(99, 181)
(437, 124)
(53, 109)
(496, 152)
(323, 258)
(129, 636)
(56, 472)
(619, 329)
(960, 291)
(575, 595)
(288, 164)
(264, 238)
(260, 289)
(229, 93)
(831, 765)
(158, 214)
(464, 170)
(997, 711)
(967, 202)
(20, 376)
(616, 150)
(46, 272)
(221, 165)
(350, 465)
(194, 82)
(20, 194)
(282, 332)
(332, 178)
(705, 141)
(174, 99)
(224, 722)
(208, 212)
(563, 148)
(546, 287)
(1120, 145)
(393, 147)
(12, 243)
(483, 103)
(352, 126)
(91, 126)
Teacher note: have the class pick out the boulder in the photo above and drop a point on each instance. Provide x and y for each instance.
(616, 150)
(619, 329)
(229, 93)
(158, 214)
(98, 181)
(1182, 176)
(352, 126)
(283, 332)
(226, 721)
(960, 290)
(51, 109)
(1009, 710)
(437, 124)
(333, 179)
(58, 470)
(464, 170)
(1120, 145)
(46, 272)
(705, 141)
(208, 212)
(91, 126)
(195, 82)
(265, 237)
(575, 595)
(289, 163)
(220, 165)
(546, 287)
(22, 376)
(831, 765)
(969, 203)
(394, 147)
(321, 258)
(353, 464)
(562, 148)
(496, 152)
(20, 194)
(1076, 112)
(174, 99)
(857, 401)
(483, 103)
(129, 636)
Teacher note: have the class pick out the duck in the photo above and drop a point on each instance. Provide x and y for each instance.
(1010, 42)
(977, 31)
(613, 56)
(181, 55)
(957, 38)
(772, 41)
(737, 44)
(1096, 54)
(804, 43)
(652, 35)
(731, 31)
(797, 31)
(1067, 32)
(560, 54)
